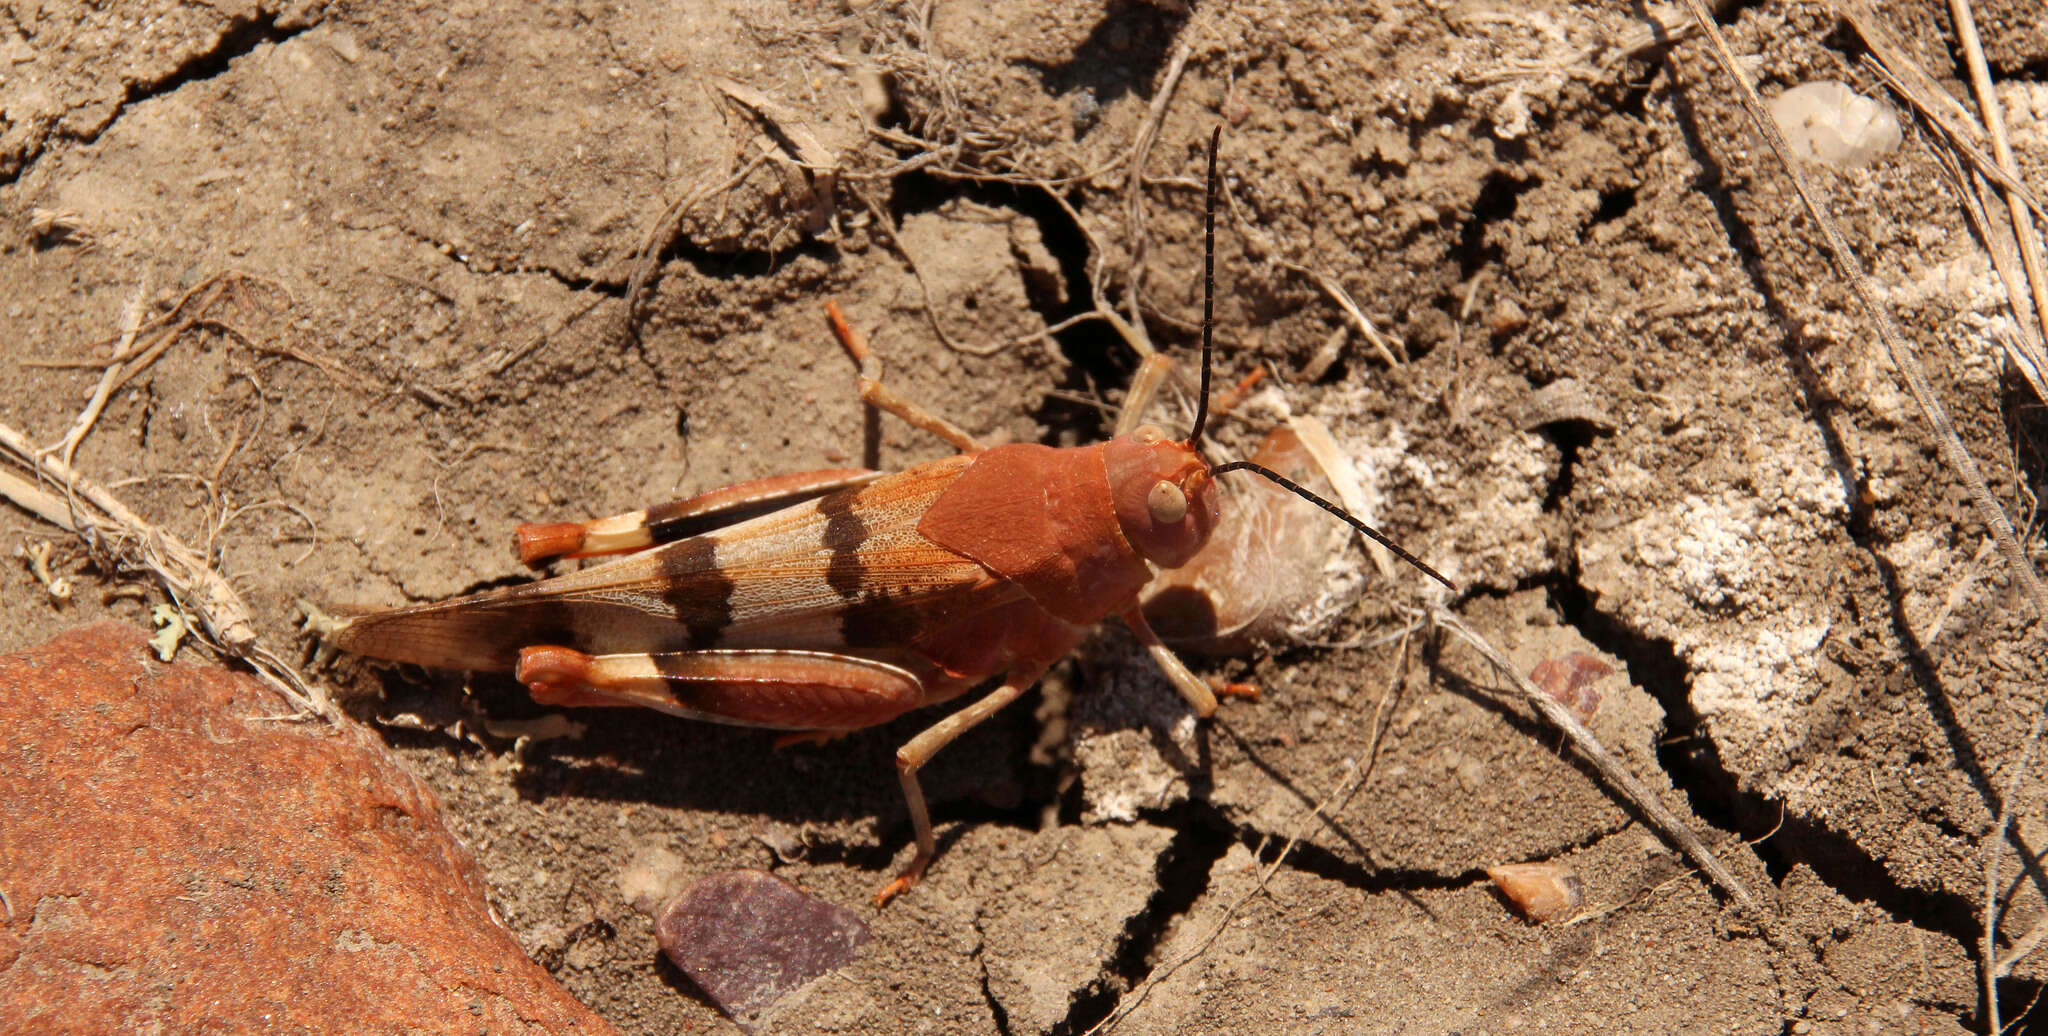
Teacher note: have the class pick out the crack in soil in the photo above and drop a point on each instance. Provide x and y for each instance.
(238, 38)
(1096, 356)
(1309, 858)
(470, 261)
(998, 1014)
(1692, 761)
(1201, 838)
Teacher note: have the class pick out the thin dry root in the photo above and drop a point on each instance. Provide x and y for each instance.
(89, 510)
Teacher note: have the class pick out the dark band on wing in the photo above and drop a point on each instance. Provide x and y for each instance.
(697, 591)
(845, 535)
(872, 616)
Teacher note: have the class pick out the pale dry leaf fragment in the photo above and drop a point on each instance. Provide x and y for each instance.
(172, 629)
(543, 728)
(51, 227)
(794, 137)
(37, 555)
(1336, 465)
(1566, 400)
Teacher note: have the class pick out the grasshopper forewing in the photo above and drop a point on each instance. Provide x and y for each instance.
(841, 599)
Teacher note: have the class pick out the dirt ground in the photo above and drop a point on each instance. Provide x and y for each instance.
(426, 226)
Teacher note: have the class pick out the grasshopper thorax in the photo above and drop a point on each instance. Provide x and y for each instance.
(1164, 496)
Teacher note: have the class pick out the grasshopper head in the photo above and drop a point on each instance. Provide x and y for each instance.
(1165, 500)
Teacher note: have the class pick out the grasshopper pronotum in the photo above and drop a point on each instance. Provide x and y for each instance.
(834, 600)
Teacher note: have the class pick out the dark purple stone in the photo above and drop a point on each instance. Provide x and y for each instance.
(748, 938)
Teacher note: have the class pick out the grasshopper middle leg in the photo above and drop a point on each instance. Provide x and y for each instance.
(920, 749)
(875, 394)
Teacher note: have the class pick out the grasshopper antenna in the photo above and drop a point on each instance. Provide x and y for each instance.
(1202, 407)
(1208, 287)
(1377, 536)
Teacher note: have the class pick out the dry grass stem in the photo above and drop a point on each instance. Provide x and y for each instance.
(1617, 775)
(1960, 135)
(1901, 351)
(1994, 122)
(107, 525)
(1386, 347)
(1994, 852)
(2021, 346)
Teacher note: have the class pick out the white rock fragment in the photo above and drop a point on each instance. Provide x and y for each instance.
(1830, 123)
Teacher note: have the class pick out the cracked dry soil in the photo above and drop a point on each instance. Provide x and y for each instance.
(437, 213)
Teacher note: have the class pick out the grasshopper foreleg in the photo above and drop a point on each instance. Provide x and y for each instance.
(1190, 686)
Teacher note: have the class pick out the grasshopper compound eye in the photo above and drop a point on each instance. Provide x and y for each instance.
(1167, 503)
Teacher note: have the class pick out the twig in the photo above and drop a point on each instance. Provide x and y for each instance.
(931, 309)
(339, 374)
(1953, 127)
(1994, 121)
(115, 373)
(135, 352)
(664, 232)
(2023, 947)
(2021, 346)
(1666, 29)
(1133, 334)
(1906, 85)
(1956, 594)
(1610, 768)
(1994, 850)
(1344, 301)
(1141, 146)
(493, 364)
(1902, 354)
(312, 527)
(103, 521)
(1386, 347)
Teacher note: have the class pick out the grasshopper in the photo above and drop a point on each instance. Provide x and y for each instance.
(828, 601)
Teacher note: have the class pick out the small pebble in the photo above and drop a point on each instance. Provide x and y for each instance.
(748, 938)
(1832, 124)
(1570, 680)
(1540, 892)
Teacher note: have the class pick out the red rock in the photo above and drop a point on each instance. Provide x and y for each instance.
(173, 862)
(1570, 680)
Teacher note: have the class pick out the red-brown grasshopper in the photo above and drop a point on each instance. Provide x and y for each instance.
(834, 600)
